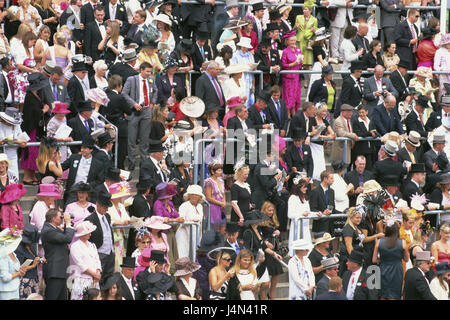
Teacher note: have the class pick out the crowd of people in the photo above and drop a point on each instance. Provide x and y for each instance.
(136, 84)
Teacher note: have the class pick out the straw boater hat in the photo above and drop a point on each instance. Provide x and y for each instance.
(371, 186)
(84, 228)
(11, 115)
(156, 222)
(192, 106)
(236, 68)
(244, 42)
(185, 266)
(325, 238)
(8, 242)
(194, 189)
(413, 138)
(283, 7)
(424, 72)
(4, 157)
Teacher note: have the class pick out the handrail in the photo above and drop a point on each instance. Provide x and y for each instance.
(116, 145)
(37, 144)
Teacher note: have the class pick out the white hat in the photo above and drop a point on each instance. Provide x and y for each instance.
(8, 242)
(85, 227)
(164, 19)
(236, 68)
(4, 157)
(424, 72)
(11, 115)
(302, 244)
(194, 189)
(192, 106)
(245, 42)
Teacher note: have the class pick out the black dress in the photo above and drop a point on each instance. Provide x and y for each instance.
(348, 231)
(184, 182)
(242, 196)
(157, 130)
(252, 243)
(109, 55)
(273, 266)
(11, 27)
(367, 224)
(369, 61)
(48, 172)
(316, 257)
(317, 51)
(46, 14)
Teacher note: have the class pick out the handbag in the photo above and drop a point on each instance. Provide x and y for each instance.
(332, 12)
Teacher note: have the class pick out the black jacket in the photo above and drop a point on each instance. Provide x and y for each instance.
(116, 109)
(255, 117)
(125, 290)
(412, 122)
(317, 202)
(319, 92)
(92, 37)
(353, 178)
(299, 121)
(205, 90)
(165, 88)
(135, 35)
(263, 184)
(96, 174)
(87, 14)
(404, 155)
(265, 68)
(363, 147)
(293, 159)
(361, 42)
(76, 94)
(197, 56)
(370, 61)
(399, 84)
(273, 117)
(362, 291)
(409, 190)
(330, 295)
(97, 234)
(434, 121)
(416, 286)
(79, 131)
(352, 92)
(403, 36)
(148, 170)
(121, 14)
(124, 70)
(388, 167)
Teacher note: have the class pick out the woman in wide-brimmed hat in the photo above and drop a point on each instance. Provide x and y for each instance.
(320, 252)
(111, 288)
(422, 83)
(301, 275)
(47, 195)
(188, 287)
(59, 112)
(6, 176)
(192, 211)
(82, 207)
(119, 217)
(164, 207)
(235, 85)
(85, 259)
(166, 43)
(11, 270)
(156, 226)
(11, 212)
(247, 31)
(243, 56)
(27, 249)
(439, 284)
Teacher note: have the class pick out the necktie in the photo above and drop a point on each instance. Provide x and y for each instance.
(413, 158)
(87, 126)
(203, 53)
(326, 196)
(413, 35)
(105, 223)
(307, 124)
(300, 150)
(219, 93)
(145, 92)
(278, 110)
(348, 126)
(266, 77)
(420, 118)
(113, 13)
(236, 246)
(55, 92)
(94, 5)
(361, 180)
(446, 115)
(263, 116)
(379, 83)
(5, 87)
(274, 45)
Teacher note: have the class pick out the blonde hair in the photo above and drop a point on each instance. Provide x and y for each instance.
(351, 212)
(220, 255)
(240, 171)
(65, 30)
(99, 64)
(335, 283)
(44, 156)
(42, 29)
(273, 221)
(115, 30)
(158, 113)
(323, 108)
(242, 255)
(444, 228)
(23, 28)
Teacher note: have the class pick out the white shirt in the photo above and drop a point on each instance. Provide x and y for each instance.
(158, 166)
(244, 125)
(9, 97)
(112, 11)
(129, 284)
(141, 91)
(352, 286)
(83, 169)
(83, 85)
(101, 28)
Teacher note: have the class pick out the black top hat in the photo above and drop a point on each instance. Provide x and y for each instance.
(441, 161)
(271, 27)
(298, 134)
(417, 168)
(158, 283)
(357, 65)
(338, 165)
(390, 181)
(410, 91)
(174, 2)
(422, 101)
(210, 240)
(81, 187)
(255, 216)
(104, 199)
(274, 15)
(158, 256)
(128, 262)
(403, 64)
(361, 15)
(110, 281)
(231, 227)
(258, 6)
(356, 256)
(84, 106)
(155, 146)
(30, 234)
(88, 142)
(202, 35)
(264, 96)
(186, 45)
(144, 184)
(79, 66)
(104, 139)
(428, 32)
(37, 81)
(113, 174)
(266, 41)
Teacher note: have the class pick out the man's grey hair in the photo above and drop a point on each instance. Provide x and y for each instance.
(390, 97)
(212, 64)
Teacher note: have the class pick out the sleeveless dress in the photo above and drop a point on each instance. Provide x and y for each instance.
(391, 269)
(221, 294)
(217, 213)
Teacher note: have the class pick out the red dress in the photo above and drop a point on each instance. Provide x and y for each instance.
(254, 39)
(179, 115)
(425, 53)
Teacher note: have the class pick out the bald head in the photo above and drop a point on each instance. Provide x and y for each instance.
(390, 102)
(379, 71)
(363, 29)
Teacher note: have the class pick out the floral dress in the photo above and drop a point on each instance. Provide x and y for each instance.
(218, 193)
(301, 277)
(117, 214)
(17, 78)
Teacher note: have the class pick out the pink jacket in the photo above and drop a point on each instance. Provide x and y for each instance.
(287, 58)
(10, 218)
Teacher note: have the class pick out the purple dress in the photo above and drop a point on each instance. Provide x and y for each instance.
(291, 89)
(159, 209)
(217, 212)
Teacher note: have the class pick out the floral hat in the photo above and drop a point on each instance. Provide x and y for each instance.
(120, 190)
(9, 241)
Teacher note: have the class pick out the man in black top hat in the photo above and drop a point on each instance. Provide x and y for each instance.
(151, 167)
(128, 286)
(233, 239)
(273, 33)
(439, 167)
(414, 120)
(78, 86)
(411, 187)
(298, 155)
(269, 63)
(112, 175)
(83, 167)
(106, 144)
(257, 112)
(391, 186)
(352, 92)
(400, 79)
(82, 124)
(103, 236)
(258, 13)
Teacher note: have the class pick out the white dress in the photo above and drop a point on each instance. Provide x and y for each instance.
(245, 58)
(340, 197)
(301, 277)
(245, 277)
(231, 89)
(437, 291)
(183, 235)
(295, 210)
(11, 151)
(53, 126)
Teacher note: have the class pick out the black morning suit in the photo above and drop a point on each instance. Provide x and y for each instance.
(353, 178)
(403, 36)
(434, 121)
(148, 170)
(416, 286)
(124, 70)
(79, 131)
(76, 94)
(125, 290)
(409, 189)
(365, 148)
(388, 167)
(294, 159)
(412, 122)
(255, 117)
(273, 117)
(205, 90)
(362, 292)
(399, 84)
(263, 66)
(234, 124)
(351, 93)
(87, 13)
(317, 202)
(121, 14)
(263, 184)
(92, 37)
(298, 121)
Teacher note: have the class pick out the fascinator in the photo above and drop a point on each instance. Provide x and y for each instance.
(98, 95)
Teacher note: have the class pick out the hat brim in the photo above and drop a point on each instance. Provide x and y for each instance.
(49, 194)
(412, 143)
(10, 247)
(212, 254)
(183, 272)
(186, 195)
(245, 45)
(9, 119)
(158, 226)
(321, 240)
(83, 233)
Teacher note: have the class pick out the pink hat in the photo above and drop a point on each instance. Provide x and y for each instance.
(156, 222)
(120, 190)
(280, 142)
(60, 107)
(165, 190)
(234, 101)
(48, 190)
(289, 34)
(84, 227)
(12, 192)
(144, 258)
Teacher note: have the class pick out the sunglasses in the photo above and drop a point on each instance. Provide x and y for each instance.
(227, 260)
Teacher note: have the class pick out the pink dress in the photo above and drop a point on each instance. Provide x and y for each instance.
(10, 217)
(291, 89)
(78, 213)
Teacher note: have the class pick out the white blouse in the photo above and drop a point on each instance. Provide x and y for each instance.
(231, 89)
(340, 197)
(301, 277)
(437, 291)
(84, 256)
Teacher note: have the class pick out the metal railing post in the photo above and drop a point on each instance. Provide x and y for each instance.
(345, 151)
(116, 146)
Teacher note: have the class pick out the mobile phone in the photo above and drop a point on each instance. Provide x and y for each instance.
(27, 263)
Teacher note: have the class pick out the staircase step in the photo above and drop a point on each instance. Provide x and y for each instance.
(282, 291)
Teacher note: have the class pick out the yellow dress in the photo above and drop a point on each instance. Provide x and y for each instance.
(304, 34)
(152, 59)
